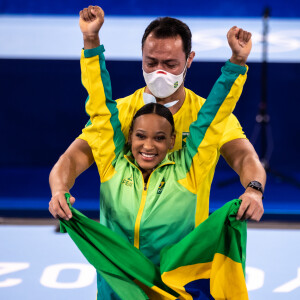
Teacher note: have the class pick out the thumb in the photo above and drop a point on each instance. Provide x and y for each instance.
(72, 200)
(232, 32)
(98, 12)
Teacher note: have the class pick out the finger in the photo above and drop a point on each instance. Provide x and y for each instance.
(245, 34)
(257, 214)
(249, 35)
(242, 209)
(85, 15)
(90, 13)
(98, 11)
(80, 14)
(72, 200)
(254, 212)
(231, 31)
(239, 33)
(241, 38)
(256, 217)
(58, 212)
(65, 207)
(249, 212)
(51, 211)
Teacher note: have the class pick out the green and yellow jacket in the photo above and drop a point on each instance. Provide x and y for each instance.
(161, 212)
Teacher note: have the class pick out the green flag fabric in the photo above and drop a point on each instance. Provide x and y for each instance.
(209, 263)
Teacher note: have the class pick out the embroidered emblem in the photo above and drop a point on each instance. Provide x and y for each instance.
(161, 187)
(128, 181)
(184, 136)
(175, 84)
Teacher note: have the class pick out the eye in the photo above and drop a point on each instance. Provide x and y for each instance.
(140, 136)
(172, 66)
(160, 138)
(151, 65)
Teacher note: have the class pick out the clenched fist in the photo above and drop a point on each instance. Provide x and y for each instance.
(90, 21)
(240, 43)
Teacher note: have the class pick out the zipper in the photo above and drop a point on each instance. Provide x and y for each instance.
(138, 219)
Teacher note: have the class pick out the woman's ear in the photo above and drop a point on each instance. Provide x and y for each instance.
(173, 138)
(129, 137)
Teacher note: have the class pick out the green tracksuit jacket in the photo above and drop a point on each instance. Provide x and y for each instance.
(161, 212)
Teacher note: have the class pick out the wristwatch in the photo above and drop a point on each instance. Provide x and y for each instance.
(256, 185)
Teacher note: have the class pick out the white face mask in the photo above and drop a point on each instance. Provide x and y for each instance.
(163, 84)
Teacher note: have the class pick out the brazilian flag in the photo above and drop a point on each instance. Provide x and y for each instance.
(209, 263)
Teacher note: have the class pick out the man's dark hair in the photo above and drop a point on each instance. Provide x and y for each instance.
(169, 27)
(157, 109)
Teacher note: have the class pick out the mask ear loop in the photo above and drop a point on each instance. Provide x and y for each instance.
(185, 67)
(185, 70)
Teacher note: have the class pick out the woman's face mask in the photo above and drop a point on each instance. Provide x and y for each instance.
(163, 84)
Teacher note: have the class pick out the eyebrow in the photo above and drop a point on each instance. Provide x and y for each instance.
(165, 61)
(158, 132)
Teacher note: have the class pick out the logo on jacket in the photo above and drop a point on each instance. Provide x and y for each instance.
(161, 187)
(184, 137)
(128, 181)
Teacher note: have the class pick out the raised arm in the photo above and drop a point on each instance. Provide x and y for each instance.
(103, 132)
(206, 131)
(240, 154)
(103, 120)
(90, 22)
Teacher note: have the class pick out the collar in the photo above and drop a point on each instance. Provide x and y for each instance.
(151, 99)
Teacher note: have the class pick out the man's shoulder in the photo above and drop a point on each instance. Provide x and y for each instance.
(193, 98)
(127, 108)
(133, 99)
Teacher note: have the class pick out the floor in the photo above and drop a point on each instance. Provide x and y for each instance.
(37, 262)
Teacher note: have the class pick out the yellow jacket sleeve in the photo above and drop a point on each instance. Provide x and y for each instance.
(205, 132)
(103, 131)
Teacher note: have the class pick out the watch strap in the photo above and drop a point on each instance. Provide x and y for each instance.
(256, 185)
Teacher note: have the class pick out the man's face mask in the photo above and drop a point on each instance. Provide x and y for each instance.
(163, 84)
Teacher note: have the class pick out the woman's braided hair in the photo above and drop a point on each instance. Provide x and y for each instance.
(157, 109)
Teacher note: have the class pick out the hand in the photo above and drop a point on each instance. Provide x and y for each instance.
(59, 207)
(251, 207)
(240, 43)
(91, 20)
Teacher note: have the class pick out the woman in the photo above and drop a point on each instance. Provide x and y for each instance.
(148, 196)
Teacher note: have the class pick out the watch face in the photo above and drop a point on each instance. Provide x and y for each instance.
(256, 185)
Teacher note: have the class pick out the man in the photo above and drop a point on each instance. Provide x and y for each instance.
(166, 48)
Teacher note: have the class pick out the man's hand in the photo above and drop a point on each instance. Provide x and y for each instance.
(240, 43)
(251, 207)
(77, 158)
(58, 206)
(243, 159)
(90, 21)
